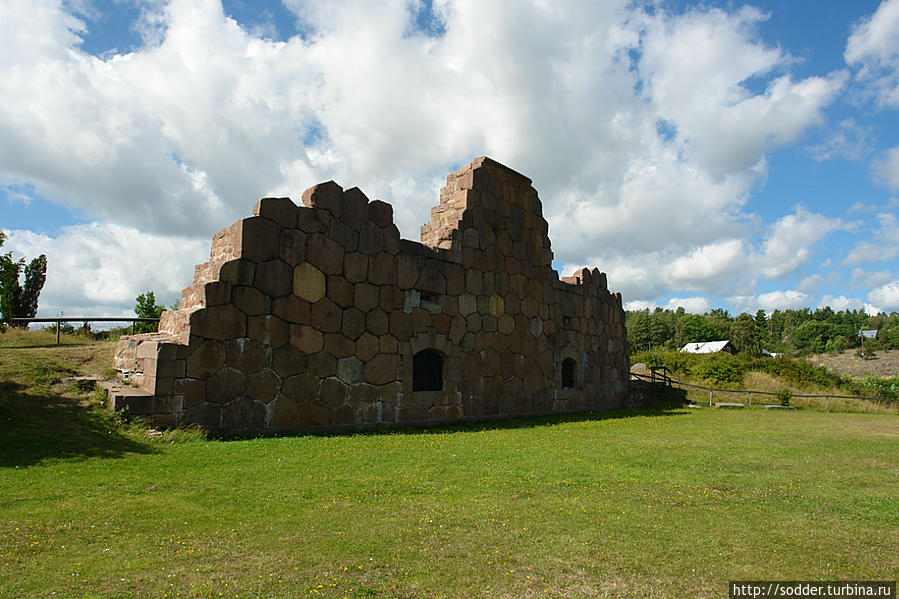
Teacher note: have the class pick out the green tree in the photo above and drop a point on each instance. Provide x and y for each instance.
(146, 307)
(18, 300)
(744, 333)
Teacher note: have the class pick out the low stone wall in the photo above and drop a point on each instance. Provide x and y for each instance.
(320, 317)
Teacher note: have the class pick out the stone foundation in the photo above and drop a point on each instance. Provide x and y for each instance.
(311, 318)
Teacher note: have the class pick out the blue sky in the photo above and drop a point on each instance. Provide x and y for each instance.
(714, 154)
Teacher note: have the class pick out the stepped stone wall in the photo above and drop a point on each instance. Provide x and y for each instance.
(321, 317)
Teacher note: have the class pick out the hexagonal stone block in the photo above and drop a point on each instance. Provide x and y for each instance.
(322, 365)
(340, 291)
(281, 210)
(376, 322)
(381, 369)
(308, 282)
(355, 267)
(293, 246)
(338, 345)
(353, 323)
(367, 347)
(273, 278)
(291, 308)
(281, 413)
(250, 301)
(206, 360)
(305, 338)
(247, 355)
(225, 385)
(325, 253)
(263, 385)
(218, 322)
(350, 370)
(366, 296)
(301, 387)
(288, 361)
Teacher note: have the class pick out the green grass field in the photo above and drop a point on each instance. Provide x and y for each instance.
(644, 503)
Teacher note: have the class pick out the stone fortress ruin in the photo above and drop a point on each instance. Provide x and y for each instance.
(320, 317)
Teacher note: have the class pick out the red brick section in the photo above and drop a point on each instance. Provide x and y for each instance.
(309, 317)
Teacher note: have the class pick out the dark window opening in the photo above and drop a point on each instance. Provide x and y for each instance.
(568, 373)
(427, 371)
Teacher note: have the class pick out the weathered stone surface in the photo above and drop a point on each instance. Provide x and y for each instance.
(401, 325)
(268, 330)
(387, 344)
(263, 385)
(367, 347)
(305, 338)
(366, 296)
(225, 385)
(246, 355)
(219, 322)
(281, 413)
(288, 361)
(291, 309)
(308, 282)
(322, 364)
(251, 301)
(273, 278)
(326, 316)
(350, 370)
(376, 322)
(370, 239)
(353, 324)
(312, 316)
(333, 392)
(354, 207)
(355, 267)
(338, 345)
(324, 195)
(325, 254)
(431, 280)
(381, 369)
(281, 210)
(193, 390)
(259, 239)
(206, 359)
(302, 387)
(380, 213)
(363, 394)
(340, 291)
(314, 413)
(382, 269)
(293, 246)
(243, 414)
(344, 235)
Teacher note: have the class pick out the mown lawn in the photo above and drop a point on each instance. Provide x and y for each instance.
(652, 503)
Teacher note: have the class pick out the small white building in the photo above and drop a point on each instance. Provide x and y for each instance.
(709, 347)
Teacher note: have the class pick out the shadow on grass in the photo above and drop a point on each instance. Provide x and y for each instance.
(34, 428)
(49, 345)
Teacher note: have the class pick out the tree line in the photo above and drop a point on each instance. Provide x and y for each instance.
(18, 297)
(793, 332)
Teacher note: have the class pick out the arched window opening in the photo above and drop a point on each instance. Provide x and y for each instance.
(568, 373)
(427, 371)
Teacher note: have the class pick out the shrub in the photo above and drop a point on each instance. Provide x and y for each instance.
(783, 396)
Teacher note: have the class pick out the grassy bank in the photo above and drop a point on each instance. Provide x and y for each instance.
(651, 503)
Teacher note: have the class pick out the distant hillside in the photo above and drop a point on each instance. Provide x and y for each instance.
(885, 364)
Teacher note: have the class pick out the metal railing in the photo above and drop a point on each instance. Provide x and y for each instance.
(85, 319)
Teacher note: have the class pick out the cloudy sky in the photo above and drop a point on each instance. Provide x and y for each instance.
(712, 154)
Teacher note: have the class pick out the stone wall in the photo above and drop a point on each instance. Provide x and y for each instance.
(311, 317)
